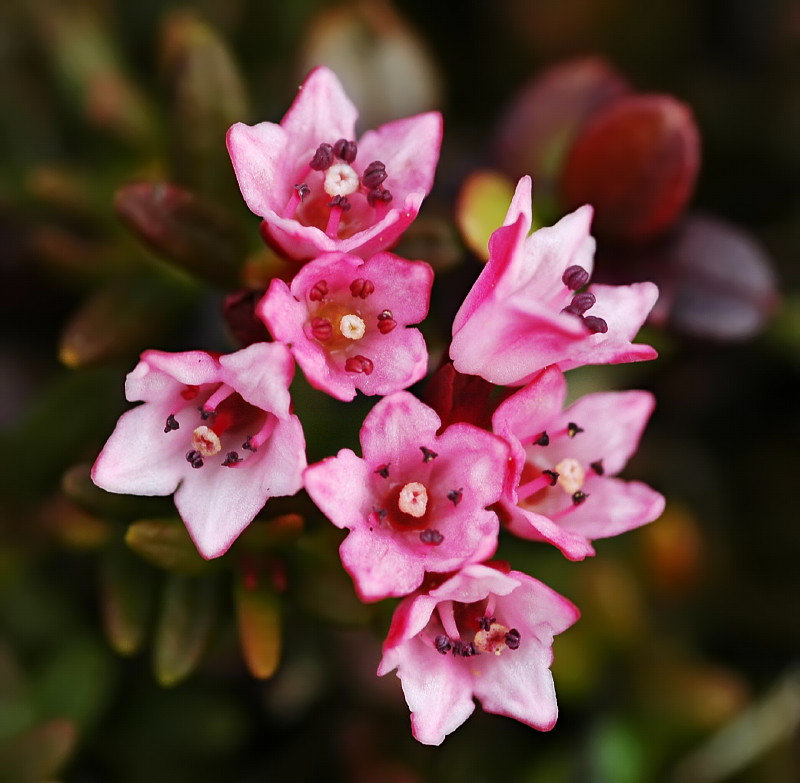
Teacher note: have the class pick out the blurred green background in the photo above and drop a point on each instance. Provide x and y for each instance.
(124, 657)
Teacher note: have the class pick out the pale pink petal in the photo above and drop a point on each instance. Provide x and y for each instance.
(530, 411)
(159, 371)
(475, 582)
(521, 204)
(538, 527)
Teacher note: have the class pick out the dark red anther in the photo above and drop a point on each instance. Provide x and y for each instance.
(378, 195)
(542, 440)
(513, 638)
(464, 650)
(194, 458)
(374, 175)
(485, 623)
(431, 537)
(578, 498)
(171, 424)
(442, 644)
(345, 150)
(362, 288)
(573, 429)
(575, 277)
(383, 471)
(321, 329)
(358, 364)
(231, 458)
(595, 325)
(380, 512)
(248, 444)
(597, 467)
(318, 291)
(302, 190)
(552, 475)
(385, 322)
(204, 414)
(340, 201)
(454, 495)
(427, 454)
(323, 158)
(581, 303)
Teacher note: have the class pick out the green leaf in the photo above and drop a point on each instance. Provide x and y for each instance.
(166, 544)
(188, 612)
(39, 753)
(258, 619)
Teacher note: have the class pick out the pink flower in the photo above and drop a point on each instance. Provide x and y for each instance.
(525, 313)
(318, 189)
(416, 502)
(562, 488)
(215, 431)
(481, 633)
(344, 320)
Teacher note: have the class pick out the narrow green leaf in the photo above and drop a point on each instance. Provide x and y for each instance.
(166, 544)
(258, 618)
(39, 753)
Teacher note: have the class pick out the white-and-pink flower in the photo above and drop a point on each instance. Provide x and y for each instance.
(526, 310)
(563, 487)
(345, 319)
(216, 431)
(483, 634)
(318, 188)
(416, 502)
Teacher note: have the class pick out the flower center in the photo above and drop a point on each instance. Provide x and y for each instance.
(206, 441)
(341, 180)
(352, 326)
(413, 499)
(462, 621)
(492, 638)
(571, 475)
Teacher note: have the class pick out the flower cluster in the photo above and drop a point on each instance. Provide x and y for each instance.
(425, 501)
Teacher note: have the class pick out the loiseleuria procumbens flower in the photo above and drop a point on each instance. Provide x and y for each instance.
(319, 189)
(562, 488)
(216, 431)
(527, 311)
(344, 320)
(481, 633)
(416, 502)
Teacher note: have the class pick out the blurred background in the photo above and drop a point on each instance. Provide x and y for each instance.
(124, 656)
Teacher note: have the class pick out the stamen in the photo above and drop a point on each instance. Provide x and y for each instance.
(385, 322)
(573, 429)
(222, 393)
(431, 537)
(454, 495)
(171, 424)
(362, 288)
(299, 192)
(575, 277)
(448, 618)
(571, 475)
(254, 442)
(323, 158)
(318, 291)
(378, 196)
(513, 638)
(542, 440)
(580, 303)
(442, 644)
(302, 190)
(383, 471)
(352, 326)
(194, 458)
(464, 650)
(427, 454)
(358, 364)
(595, 325)
(340, 201)
(346, 150)
(321, 329)
(335, 217)
(597, 467)
(206, 442)
(374, 175)
(413, 499)
(547, 479)
(579, 497)
(484, 623)
(231, 458)
(340, 180)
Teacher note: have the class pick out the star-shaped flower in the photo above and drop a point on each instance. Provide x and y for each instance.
(319, 189)
(216, 431)
(481, 633)
(526, 310)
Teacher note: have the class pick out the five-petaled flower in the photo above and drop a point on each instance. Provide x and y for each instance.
(526, 310)
(318, 189)
(344, 320)
(481, 633)
(562, 488)
(216, 431)
(416, 502)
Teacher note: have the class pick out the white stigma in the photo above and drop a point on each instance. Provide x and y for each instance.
(570, 475)
(413, 499)
(352, 327)
(206, 441)
(341, 180)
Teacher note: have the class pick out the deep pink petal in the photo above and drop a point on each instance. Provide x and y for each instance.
(530, 411)
(400, 359)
